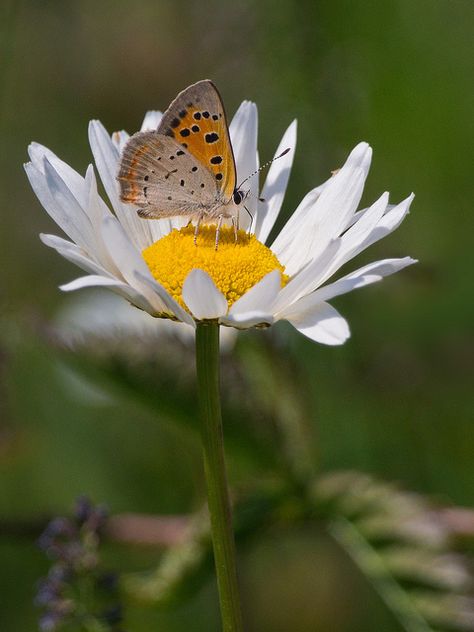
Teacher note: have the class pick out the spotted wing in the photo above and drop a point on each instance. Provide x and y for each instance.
(197, 120)
(164, 179)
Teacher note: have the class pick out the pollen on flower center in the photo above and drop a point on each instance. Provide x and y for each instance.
(235, 266)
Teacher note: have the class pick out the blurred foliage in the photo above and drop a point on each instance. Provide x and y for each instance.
(395, 401)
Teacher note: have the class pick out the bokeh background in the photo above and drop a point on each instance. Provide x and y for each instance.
(396, 401)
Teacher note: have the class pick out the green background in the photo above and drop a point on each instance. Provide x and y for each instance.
(396, 400)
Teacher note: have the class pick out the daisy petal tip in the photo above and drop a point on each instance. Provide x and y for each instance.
(321, 323)
(95, 129)
(328, 335)
(361, 151)
(151, 120)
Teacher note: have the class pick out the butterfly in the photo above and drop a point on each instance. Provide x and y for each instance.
(186, 167)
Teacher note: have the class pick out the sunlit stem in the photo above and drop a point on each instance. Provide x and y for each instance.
(207, 362)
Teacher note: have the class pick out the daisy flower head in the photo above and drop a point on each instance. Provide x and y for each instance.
(156, 266)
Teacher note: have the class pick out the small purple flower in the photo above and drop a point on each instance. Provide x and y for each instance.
(73, 544)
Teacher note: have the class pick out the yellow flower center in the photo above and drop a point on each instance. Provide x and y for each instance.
(235, 266)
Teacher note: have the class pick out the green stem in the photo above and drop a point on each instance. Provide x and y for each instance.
(207, 363)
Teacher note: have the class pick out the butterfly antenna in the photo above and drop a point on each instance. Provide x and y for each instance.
(264, 166)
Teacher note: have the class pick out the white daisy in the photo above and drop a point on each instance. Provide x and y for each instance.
(156, 267)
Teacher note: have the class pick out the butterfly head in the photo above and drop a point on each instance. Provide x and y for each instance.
(239, 196)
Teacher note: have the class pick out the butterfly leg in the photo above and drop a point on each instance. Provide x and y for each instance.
(196, 230)
(218, 229)
(235, 226)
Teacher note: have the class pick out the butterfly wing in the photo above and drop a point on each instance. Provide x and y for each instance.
(196, 119)
(159, 175)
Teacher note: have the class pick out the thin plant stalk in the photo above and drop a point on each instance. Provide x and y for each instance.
(207, 363)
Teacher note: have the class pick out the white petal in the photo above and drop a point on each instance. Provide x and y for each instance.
(97, 210)
(345, 189)
(123, 289)
(202, 297)
(370, 273)
(173, 307)
(322, 323)
(95, 207)
(308, 278)
(91, 280)
(107, 158)
(243, 134)
(282, 246)
(260, 298)
(128, 260)
(151, 121)
(73, 253)
(275, 185)
(331, 211)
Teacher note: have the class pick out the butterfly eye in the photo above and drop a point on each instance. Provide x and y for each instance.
(238, 197)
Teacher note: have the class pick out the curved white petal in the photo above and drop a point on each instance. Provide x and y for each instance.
(243, 134)
(366, 275)
(107, 158)
(151, 121)
(91, 280)
(202, 297)
(94, 206)
(332, 209)
(73, 253)
(322, 323)
(275, 185)
(173, 307)
(125, 290)
(260, 298)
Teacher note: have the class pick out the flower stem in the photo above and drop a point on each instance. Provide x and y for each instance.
(207, 363)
